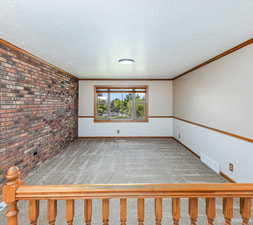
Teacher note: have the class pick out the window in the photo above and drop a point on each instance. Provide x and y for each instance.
(121, 104)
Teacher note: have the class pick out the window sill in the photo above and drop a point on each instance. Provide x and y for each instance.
(121, 121)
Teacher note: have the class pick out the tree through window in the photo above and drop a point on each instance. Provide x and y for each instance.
(121, 104)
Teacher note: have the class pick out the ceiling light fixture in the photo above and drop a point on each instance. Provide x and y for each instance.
(126, 61)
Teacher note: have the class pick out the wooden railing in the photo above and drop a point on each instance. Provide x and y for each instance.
(14, 191)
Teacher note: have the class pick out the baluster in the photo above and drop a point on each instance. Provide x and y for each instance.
(193, 210)
(105, 211)
(241, 205)
(33, 211)
(245, 210)
(52, 211)
(158, 210)
(70, 210)
(140, 210)
(176, 210)
(9, 195)
(88, 211)
(228, 210)
(210, 210)
(123, 211)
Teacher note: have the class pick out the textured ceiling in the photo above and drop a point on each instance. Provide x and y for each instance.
(87, 37)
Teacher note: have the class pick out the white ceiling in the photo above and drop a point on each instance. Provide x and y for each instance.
(87, 37)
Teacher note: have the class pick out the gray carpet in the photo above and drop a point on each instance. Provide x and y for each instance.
(123, 161)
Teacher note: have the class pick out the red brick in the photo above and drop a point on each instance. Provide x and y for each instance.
(34, 114)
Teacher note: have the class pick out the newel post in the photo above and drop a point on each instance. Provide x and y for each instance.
(9, 195)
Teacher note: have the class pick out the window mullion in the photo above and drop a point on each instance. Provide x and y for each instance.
(133, 107)
(109, 105)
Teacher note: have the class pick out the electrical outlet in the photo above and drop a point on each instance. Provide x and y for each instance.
(231, 167)
(118, 131)
(179, 135)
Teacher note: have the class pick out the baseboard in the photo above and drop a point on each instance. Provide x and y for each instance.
(221, 173)
(122, 137)
(227, 177)
(186, 147)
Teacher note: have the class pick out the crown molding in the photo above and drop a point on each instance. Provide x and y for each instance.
(227, 52)
(22, 51)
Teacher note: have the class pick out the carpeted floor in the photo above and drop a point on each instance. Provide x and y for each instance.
(123, 161)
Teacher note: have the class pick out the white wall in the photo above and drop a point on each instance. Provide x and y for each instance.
(155, 127)
(219, 95)
(218, 150)
(159, 104)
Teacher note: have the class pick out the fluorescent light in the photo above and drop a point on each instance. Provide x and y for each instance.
(126, 61)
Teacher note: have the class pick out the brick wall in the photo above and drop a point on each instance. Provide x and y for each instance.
(38, 111)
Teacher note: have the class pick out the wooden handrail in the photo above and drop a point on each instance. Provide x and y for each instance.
(26, 192)
(14, 191)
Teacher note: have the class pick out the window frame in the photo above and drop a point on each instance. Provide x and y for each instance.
(121, 87)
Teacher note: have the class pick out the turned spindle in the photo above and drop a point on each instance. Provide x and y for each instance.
(87, 211)
(70, 211)
(210, 210)
(33, 211)
(193, 210)
(176, 210)
(158, 210)
(245, 210)
(123, 211)
(52, 211)
(140, 210)
(228, 210)
(105, 211)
